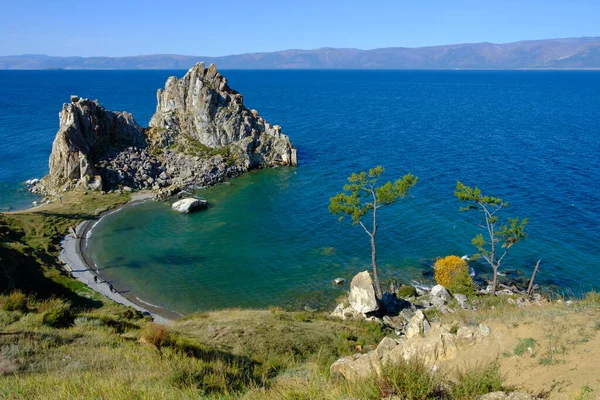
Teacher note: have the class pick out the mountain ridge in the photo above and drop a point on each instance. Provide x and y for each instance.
(560, 53)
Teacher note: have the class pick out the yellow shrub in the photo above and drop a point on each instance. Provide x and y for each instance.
(452, 272)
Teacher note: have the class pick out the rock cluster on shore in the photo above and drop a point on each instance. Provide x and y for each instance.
(415, 335)
(200, 135)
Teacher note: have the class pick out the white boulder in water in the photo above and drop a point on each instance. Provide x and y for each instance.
(32, 182)
(189, 205)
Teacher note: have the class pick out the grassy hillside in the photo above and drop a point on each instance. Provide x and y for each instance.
(60, 340)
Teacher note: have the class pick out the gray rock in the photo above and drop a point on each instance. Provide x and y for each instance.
(339, 281)
(189, 205)
(484, 330)
(74, 98)
(87, 132)
(396, 323)
(201, 107)
(362, 294)
(418, 325)
(461, 298)
(437, 302)
(358, 366)
(441, 292)
(386, 345)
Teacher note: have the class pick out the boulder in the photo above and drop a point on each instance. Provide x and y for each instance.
(189, 205)
(441, 292)
(355, 367)
(462, 300)
(418, 325)
(339, 281)
(437, 345)
(362, 294)
(437, 302)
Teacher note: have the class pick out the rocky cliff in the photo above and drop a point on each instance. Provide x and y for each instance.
(200, 135)
(201, 110)
(87, 133)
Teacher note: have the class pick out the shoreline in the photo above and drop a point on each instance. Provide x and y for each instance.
(75, 261)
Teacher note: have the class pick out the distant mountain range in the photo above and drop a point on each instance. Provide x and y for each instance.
(570, 53)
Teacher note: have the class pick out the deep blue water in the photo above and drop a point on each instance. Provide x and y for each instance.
(531, 137)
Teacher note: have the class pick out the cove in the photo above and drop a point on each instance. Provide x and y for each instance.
(530, 137)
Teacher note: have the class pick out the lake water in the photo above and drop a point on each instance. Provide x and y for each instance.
(531, 137)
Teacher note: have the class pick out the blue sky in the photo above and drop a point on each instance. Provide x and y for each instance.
(214, 28)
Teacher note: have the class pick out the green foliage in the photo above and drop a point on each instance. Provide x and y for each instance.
(194, 147)
(592, 297)
(452, 272)
(505, 235)
(477, 381)
(585, 393)
(56, 313)
(362, 196)
(523, 346)
(15, 301)
(406, 291)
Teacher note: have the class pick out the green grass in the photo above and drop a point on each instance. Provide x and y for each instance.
(192, 147)
(523, 346)
(477, 381)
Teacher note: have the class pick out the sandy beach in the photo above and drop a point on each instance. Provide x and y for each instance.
(73, 256)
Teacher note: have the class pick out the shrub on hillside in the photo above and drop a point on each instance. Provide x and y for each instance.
(478, 381)
(411, 380)
(155, 335)
(16, 301)
(452, 272)
(56, 313)
(406, 291)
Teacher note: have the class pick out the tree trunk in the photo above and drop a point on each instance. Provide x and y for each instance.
(495, 282)
(530, 288)
(378, 291)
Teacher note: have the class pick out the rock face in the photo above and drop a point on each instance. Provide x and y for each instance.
(201, 110)
(189, 205)
(430, 345)
(200, 135)
(362, 294)
(87, 132)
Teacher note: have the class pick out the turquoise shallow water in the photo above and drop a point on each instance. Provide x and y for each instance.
(268, 239)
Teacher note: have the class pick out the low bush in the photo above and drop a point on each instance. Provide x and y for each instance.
(155, 335)
(523, 346)
(410, 380)
(56, 313)
(452, 272)
(16, 301)
(406, 291)
(477, 381)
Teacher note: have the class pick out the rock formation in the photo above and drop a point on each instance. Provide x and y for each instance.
(200, 135)
(427, 342)
(201, 110)
(87, 133)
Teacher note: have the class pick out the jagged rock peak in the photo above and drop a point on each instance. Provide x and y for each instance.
(202, 108)
(87, 132)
